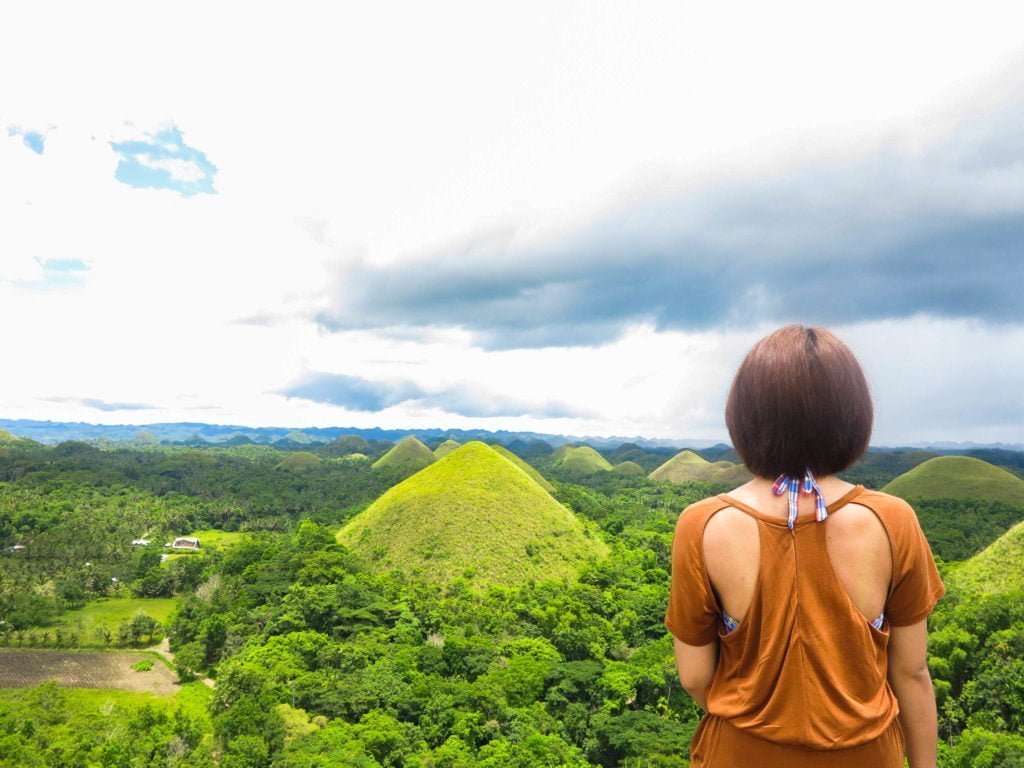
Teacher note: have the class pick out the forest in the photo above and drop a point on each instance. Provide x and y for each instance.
(295, 650)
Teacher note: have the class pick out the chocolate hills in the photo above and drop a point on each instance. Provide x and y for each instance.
(958, 477)
(300, 461)
(629, 468)
(346, 445)
(687, 466)
(445, 448)
(407, 456)
(580, 460)
(474, 509)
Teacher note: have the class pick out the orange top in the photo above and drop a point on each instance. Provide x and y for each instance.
(804, 668)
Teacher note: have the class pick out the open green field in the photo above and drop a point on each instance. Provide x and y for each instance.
(109, 612)
(191, 696)
(211, 537)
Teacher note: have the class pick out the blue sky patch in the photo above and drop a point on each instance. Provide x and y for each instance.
(57, 274)
(34, 140)
(162, 160)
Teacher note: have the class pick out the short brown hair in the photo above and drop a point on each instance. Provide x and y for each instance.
(799, 401)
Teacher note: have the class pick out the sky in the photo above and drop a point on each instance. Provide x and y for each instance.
(564, 217)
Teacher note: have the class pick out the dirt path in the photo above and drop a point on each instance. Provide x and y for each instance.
(164, 649)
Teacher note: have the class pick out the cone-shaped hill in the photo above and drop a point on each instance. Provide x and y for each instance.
(523, 465)
(407, 456)
(583, 460)
(560, 453)
(445, 448)
(473, 509)
(347, 445)
(958, 477)
(687, 466)
(300, 461)
(628, 468)
(996, 569)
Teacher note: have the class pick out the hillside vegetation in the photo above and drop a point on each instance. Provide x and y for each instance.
(523, 465)
(7, 439)
(473, 510)
(958, 477)
(687, 466)
(997, 569)
(408, 455)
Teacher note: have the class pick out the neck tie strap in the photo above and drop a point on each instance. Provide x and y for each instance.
(794, 486)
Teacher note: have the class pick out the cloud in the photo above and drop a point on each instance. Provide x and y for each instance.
(359, 394)
(162, 160)
(101, 405)
(913, 226)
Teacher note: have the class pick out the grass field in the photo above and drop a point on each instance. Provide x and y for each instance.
(109, 612)
(211, 537)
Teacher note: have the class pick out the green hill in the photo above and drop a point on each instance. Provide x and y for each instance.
(346, 445)
(560, 453)
(958, 477)
(523, 465)
(475, 510)
(445, 448)
(687, 466)
(996, 569)
(583, 460)
(6, 438)
(628, 468)
(407, 456)
(300, 461)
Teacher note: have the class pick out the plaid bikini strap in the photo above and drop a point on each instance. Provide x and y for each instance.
(795, 485)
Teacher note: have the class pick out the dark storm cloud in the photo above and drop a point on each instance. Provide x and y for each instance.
(360, 394)
(899, 231)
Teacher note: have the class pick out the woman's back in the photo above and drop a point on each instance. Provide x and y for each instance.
(804, 667)
(856, 541)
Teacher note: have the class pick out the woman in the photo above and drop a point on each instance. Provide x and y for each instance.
(799, 601)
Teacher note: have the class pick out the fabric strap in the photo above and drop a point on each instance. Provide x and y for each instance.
(795, 485)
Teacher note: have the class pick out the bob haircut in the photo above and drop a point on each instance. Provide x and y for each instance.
(799, 401)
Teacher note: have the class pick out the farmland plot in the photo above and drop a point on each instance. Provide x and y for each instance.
(22, 668)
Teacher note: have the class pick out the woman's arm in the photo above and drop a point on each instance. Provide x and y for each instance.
(696, 664)
(912, 684)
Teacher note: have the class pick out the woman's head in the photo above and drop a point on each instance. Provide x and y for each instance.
(799, 401)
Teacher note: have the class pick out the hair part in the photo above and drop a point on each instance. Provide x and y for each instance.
(799, 401)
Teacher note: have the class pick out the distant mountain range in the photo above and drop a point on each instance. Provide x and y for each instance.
(191, 433)
(199, 433)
